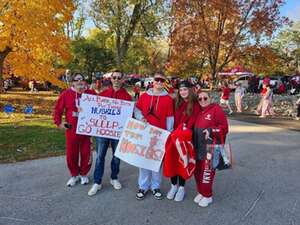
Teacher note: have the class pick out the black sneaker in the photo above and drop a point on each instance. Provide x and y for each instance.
(140, 195)
(157, 194)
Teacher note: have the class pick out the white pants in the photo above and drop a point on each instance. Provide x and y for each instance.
(238, 103)
(149, 179)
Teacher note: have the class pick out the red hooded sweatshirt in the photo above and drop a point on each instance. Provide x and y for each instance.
(156, 108)
(182, 117)
(226, 93)
(213, 117)
(67, 103)
(119, 94)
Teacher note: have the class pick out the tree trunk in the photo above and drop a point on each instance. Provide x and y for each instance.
(3, 55)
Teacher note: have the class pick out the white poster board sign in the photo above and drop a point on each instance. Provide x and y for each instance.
(103, 117)
(142, 145)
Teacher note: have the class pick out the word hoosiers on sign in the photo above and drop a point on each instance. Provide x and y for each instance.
(150, 152)
(142, 145)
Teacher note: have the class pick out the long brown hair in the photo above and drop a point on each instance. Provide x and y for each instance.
(192, 98)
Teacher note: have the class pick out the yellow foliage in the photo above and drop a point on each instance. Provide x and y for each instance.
(34, 32)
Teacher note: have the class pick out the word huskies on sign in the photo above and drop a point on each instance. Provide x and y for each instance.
(142, 145)
(102, 116)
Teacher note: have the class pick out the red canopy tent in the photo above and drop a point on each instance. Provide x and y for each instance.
(236, 71)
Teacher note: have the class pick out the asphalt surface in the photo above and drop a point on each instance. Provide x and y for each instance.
(263, 188)
(281, 122)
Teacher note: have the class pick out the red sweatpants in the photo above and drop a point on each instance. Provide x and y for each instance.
(204, 177)
(78, 145)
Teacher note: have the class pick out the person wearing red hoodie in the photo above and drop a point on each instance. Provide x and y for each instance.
(186, 111)
(225, 97)
(211, 126)
(102, 144)
(76, 145)
(155, 107)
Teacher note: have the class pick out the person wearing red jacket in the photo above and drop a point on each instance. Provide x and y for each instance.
(225, 97)
(77, 146)
(211, 127)
(136, 91)
(186, 111)
(102, 143)
(156, 108)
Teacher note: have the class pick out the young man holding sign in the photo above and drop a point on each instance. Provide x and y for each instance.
(154, 107)
(102, 143)
(76, 144)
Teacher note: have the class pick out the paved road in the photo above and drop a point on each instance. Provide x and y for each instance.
(262, 189)
(287, 123)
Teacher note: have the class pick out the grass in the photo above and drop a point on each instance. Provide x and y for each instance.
(30, 140)
(24, 138)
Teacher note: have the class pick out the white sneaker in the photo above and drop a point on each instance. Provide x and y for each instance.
(172, 192)
(198, 198)
(84, 180)
(95, 188)
(230, 112)
(116, 184)
(72, 181)
(204, 202)
(179, 195)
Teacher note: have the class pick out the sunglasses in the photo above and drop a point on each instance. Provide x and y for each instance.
(202, 99)
(78, 79)
(158, 79)
(117, 78)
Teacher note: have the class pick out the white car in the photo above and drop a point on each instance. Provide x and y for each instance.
(148, 80)
(243, 80)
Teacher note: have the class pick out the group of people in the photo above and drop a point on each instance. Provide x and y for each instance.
(190, 116)
(265, 106)
(238, 97)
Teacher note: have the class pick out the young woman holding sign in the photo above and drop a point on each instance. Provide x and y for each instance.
(177, 150)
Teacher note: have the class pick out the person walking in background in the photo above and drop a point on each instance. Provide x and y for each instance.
(267, 103)
(211, 127)
(136, 91)
(238, 97)
(155, 107)
(186, 111)
(225, 97)
(77, 146)
(102, 143)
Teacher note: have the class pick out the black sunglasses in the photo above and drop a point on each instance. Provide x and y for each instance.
(203, 99)
(158, 79)
(78, 79)
(115, 78)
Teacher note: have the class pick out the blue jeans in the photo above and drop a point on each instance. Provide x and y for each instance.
(102, 145)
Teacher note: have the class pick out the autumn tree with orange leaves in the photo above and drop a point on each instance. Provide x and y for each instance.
(32, 36)
(213, 33)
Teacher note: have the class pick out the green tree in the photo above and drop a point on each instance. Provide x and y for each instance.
(89, 56)
(129, 18)
(287, 45)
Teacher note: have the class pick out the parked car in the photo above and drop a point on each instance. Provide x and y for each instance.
(243, 80)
